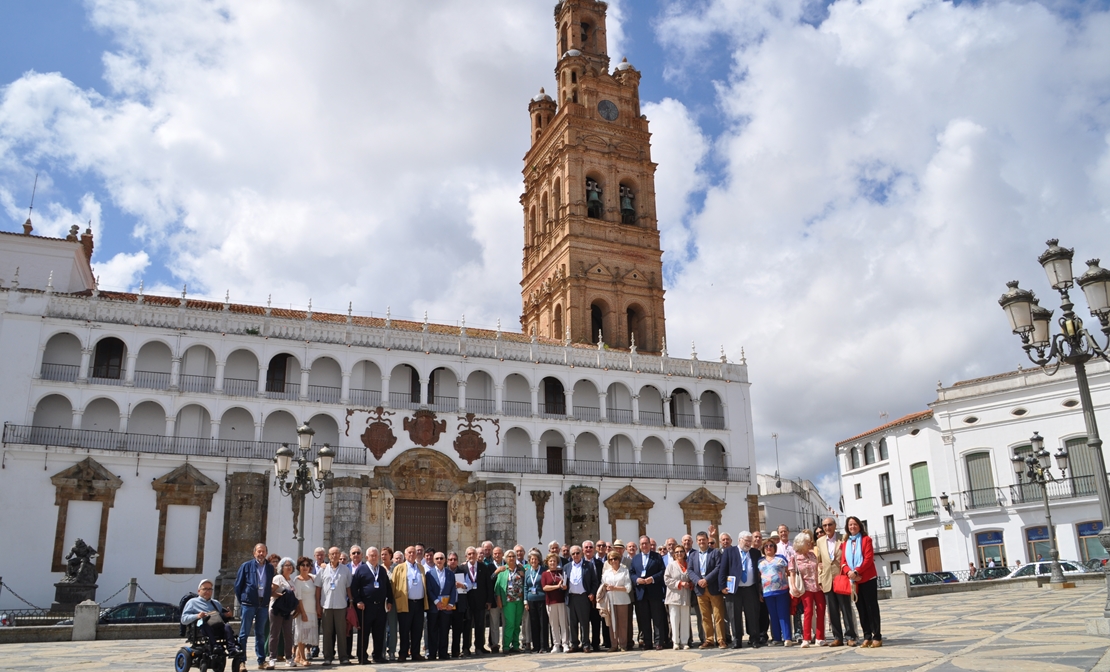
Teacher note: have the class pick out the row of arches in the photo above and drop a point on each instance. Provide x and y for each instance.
(238, 423)
(605, 323)
(544, 212)
(283, 376)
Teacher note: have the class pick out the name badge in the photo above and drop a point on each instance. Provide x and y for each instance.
(643, 573)
(375, 584)
(333, 585)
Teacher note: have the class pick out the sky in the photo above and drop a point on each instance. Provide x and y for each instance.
(844, 187)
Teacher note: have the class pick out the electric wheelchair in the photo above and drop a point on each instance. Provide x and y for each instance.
(208, 653)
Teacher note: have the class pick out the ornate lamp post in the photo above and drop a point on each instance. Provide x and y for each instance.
(304, 481)
(1038, 469)
(1074, 345)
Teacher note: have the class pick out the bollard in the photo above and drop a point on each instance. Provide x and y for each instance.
(899, 585)
(131, 586)
(85, 617)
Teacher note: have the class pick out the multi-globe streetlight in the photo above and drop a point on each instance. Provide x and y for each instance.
(1037, 468)
(308, 478)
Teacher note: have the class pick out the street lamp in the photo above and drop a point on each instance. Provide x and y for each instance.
(1074, 345)
(1038, 469)
(304, 481)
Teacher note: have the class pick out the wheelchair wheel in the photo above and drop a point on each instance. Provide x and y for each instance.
(213, 664)
(238, 665)
(183, 661)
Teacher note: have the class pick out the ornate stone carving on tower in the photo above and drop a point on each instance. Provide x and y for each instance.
(592, 261)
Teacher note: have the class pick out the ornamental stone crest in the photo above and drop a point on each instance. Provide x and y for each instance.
(469, 444)
(378, 437)
(423, 428)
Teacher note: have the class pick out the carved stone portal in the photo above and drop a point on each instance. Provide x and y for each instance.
(86, 481)
(702, 504)
(423, 428)
(628, 503)
(540, 497)
(581, 514)
(184, 486)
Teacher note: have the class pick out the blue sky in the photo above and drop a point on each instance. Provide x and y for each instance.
(843, 187)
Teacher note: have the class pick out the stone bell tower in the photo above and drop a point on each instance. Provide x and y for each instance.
(592, 261)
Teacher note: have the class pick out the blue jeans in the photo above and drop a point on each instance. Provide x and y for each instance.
(259, 617)
(778, 607)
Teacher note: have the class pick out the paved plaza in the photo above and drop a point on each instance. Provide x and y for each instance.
(1016, 629)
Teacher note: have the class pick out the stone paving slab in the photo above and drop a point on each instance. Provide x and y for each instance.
(1012, 630)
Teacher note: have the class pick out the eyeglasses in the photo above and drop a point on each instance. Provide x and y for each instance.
(577, 553)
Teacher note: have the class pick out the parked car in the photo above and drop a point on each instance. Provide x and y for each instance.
(988, 573)
(948, 577)
(1044, 568)
(925, 578)
(137, 612)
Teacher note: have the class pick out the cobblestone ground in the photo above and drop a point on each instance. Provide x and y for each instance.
(1012, 629)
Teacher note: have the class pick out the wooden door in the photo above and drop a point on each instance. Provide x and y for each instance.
(554, 459)
(930, 550)
(420, 522)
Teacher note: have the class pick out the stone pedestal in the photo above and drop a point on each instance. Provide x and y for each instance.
(85, 617)
(899, 585)
(69, 595)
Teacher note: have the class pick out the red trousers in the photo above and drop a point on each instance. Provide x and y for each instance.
(813, 600)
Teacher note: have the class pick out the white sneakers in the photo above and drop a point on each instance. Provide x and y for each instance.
(805, 644)
(820, 642)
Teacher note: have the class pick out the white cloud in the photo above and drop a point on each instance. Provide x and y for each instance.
(122, 271)
(885, 174)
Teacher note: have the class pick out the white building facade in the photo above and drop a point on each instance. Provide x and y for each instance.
(896, 477)
(796, 503)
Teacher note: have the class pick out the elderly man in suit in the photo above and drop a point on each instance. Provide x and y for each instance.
(582, 584)
(411, 597)
(830, 553)
(741, 563)
(443, 595)
(703, 567)
(647, 579)
(373, 595)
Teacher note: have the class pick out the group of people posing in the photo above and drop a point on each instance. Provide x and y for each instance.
(579, 598)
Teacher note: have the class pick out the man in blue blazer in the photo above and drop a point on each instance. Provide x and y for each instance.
(742, 563)
(703, 567)
(252, 589)
(373, 596)
(647, 578)
(440, 582)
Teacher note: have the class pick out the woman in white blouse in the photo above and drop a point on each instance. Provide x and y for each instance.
(614, 591)
(281, 628)
(678, 597)
(306, 632)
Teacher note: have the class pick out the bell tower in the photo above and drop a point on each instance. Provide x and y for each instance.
(592, 261)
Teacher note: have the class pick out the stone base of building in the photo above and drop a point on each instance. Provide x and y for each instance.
(69, 595)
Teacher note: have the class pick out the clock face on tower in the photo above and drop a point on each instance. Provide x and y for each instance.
(608, 110)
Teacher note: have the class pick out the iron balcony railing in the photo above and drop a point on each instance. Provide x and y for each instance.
(886, 543)
(368, 398)
(518, 409)
(1066, 488)
(480, 406)
(683, 420)
(63, 372)
(152, 380)
(162, 445)
(713, 421)
(983, 498)
(444, 404)
(533, 465)
(921, 508)
(324, 394)
(403, 400)
(620, 416)
(651, 418)
(240, 387)
(283, 390)
(190, 383)
(587, 413)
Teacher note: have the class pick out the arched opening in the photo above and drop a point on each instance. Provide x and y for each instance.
(198, 370)
(544, 216)
(147, 418)
(584, 36)
(404, 387)
(152, 366)
(533, 232)
(594, 193)
(634, 322)
(684, 453)
(868, 453)
(682, 409)
(597, 322)
(553, 446)
(517, 399)
(554, 399)
(620, 450)
(194, 422)
(366, 384)
(327, 430)
(517, 444)
(574, 95)
(280, 427)
(573, 76)
(61, 358)
(651, 406)
(585, 401)
(325, 381)
(557, 323)
(628, 204)
(241, 374)
(557, 198)
(618, 404)
(280, 381)
(564, 45)
(108, 358)
(712, 411)
(237, 424)
(587, 448)
(443, 390)
(653, 451)
(479, 392)
(853, 458)
(101, 415)
(53, 410)
(714, 454)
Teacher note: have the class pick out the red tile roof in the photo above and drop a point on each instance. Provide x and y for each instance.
(904, 420)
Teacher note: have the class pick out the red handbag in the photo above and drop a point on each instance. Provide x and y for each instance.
(842, 585)
(352, 618)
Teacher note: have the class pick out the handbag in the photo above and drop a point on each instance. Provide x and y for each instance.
(352, 618)
(285, 605)
(842, 585)
(797, 585)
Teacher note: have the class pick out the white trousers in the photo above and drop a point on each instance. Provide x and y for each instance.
(680, 623)
(559, 619)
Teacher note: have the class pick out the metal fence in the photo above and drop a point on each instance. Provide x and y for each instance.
(921, 508)
(533, 465)
(63, 372)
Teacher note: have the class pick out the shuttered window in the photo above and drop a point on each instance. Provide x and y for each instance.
(1082, 466)
(922, 492)
(980, 481)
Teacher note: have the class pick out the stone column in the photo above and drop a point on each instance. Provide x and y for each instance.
(536, 401)
(219, 384)
(258, 430)
(568, 400)
(385, 392)
(666, 411)
(423, 393)
(462, 395)
(637, 451)
(724, 414)
(501, 514)
(123, 418)
(77, 413)
(261, 381)
(570, 449)
(668, 453)
(129, 374)
(345, 388)
(304, 383)
(697, 411)
(171, 424)
(535, 449)
(601, 401)
(700, 454)
(83, 371)
(635, 409)
(175, 373)
(215, 432)
(498, 398)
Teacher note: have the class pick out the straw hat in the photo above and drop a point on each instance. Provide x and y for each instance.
(618, 544)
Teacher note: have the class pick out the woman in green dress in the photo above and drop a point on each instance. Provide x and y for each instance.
(510, 598)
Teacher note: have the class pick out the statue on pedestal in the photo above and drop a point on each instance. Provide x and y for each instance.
(80, 563)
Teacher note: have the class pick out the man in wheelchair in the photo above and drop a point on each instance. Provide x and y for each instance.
(211, 639)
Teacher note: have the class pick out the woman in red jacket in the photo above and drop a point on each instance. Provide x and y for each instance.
(859, 565)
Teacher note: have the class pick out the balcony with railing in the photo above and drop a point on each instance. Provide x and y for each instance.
(443, 404)
(152, 380)
(62, 372)
(713, 421)
(517, 409)
(587, 413)
(925, 507)
(202, 384)
(480, 406)
(683, 420)
(240, 387)
(651, 418)
(533, 465)
(620, 416)
(366, 398)
(886, 543)
(282, 390)
(324, 394)
(1066, 488)
(983, 498)
(403, 400)
(162, 445)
